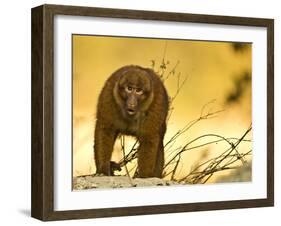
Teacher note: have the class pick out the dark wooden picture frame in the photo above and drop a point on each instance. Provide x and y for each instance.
(42, 203)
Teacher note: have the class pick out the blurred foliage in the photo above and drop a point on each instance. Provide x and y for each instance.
(241, 174)
(241, 84)
(242, 81)
(240, 47)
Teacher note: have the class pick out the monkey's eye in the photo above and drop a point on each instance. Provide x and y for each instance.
(139, 91)
(129, 89)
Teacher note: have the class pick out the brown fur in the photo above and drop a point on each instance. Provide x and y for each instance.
(146, 121)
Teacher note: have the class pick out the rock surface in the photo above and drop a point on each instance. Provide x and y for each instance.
(91, 182)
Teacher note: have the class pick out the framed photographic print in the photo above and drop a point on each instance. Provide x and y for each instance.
(141, 112)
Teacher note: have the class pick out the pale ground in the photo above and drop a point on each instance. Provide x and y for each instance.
(89, 182)
(241, 174)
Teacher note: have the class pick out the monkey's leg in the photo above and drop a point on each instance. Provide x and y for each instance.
(104, 141)
(159, 161)
(147, 156)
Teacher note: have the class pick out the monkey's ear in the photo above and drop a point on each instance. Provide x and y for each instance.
(116, 93)
(148, 86)
(122, 80)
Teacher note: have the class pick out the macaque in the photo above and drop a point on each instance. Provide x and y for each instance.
(132, 102)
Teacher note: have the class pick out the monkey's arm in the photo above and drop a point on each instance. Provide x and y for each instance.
(104, 141)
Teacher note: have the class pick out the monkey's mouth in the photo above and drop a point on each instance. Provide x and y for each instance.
(131, 111)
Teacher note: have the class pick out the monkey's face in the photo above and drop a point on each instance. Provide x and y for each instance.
(134, 89)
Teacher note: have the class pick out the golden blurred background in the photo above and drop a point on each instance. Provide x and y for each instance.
(218, 73)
